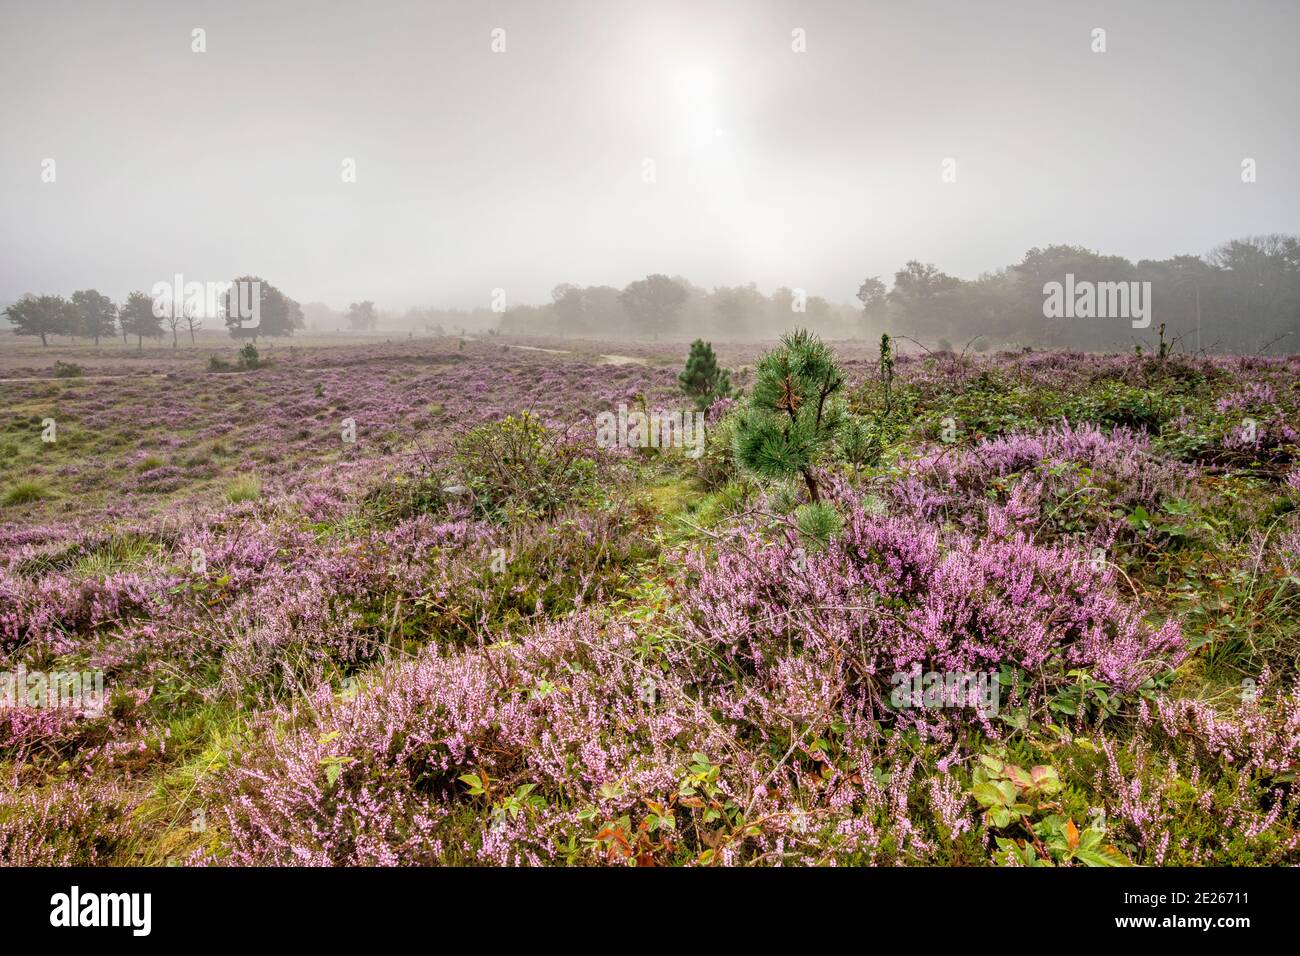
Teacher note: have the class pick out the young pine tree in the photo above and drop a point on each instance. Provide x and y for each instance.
(702, 379)
(792, 417)
(887, 370)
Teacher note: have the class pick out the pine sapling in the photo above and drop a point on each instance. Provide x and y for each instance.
(887, 369)
(792, 416)
(702, 379)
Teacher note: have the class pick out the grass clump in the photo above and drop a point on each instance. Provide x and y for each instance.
(245, 488)
(26, 492)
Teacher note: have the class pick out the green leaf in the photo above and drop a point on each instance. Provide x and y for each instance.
(993, 763)
(1106, 856)
(1046, 780)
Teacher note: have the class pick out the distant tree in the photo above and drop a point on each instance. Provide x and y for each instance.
(43, 315)
(278, 315)
(138, 318)
(873, 295)
(1053, 264)
(193, 320)
(1258, 281)
(96, 314)
(793, 415)
(737, 308)
(569, 308)
(653, 303)
(702, 379)
(174, 319)
(361, 316)
(318, 315)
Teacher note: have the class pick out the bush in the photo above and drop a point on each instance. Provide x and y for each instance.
(1112, 404)
(248, 360)
(518, 468)
(717, 463)
(403, 497)
(67, 370)
(887, 595)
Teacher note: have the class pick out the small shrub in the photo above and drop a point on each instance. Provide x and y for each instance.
(518, 468)
(68, 370)
(404, 497)
(717, 463)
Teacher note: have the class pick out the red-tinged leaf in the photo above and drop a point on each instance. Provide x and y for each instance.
(1071, 834)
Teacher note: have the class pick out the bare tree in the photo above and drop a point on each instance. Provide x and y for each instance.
(173, 321)
(193, 321)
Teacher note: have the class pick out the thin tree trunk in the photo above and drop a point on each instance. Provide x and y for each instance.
(812, 487)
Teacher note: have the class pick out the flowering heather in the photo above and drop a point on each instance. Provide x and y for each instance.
(341, 652)
(890, 594)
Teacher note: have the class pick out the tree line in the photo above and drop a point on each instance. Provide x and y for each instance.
(1243, 295)
(90, 314)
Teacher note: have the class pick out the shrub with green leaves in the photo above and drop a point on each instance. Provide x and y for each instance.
(1111, 404)
(793, 415)
(717, 463)
(517, 468)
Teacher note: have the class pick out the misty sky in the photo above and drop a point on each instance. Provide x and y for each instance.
(524, 169)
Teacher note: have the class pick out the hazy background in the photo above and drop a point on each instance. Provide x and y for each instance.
(523, 170)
